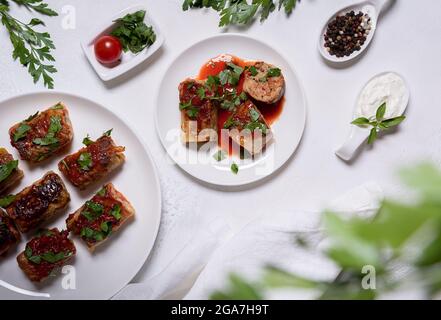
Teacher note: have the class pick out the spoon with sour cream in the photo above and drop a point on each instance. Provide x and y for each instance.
(389, 88)
(371, 8)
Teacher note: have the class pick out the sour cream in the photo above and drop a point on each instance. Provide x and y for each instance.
(386, 87)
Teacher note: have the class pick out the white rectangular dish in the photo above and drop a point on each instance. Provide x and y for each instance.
(128, 59)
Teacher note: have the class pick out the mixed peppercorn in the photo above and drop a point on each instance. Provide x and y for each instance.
(347, 33)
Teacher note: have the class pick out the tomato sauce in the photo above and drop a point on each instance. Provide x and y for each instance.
(271, 112)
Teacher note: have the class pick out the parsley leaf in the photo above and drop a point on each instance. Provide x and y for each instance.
(220, 155)
(50, 139)
(21, 131)
(7, 168)
(116, 212)
(274, 72)
(241, 12)
(87, 141)
(235, 168)
(133, 33)
(85, 161)
(31, 48)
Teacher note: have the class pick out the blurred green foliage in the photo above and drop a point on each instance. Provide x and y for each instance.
(400, 234)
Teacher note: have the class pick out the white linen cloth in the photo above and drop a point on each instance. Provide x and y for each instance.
(205, 261)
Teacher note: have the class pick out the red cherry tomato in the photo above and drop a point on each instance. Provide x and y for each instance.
(108, 49)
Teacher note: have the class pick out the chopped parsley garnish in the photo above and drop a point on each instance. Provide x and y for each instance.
(254, 114)
(102, 192)
(253, 71)
(21, 131)
(7, 168)
(57, 107)
(201, 93)
(49, 256)
(85, 161)
(256, 125)
(108, 133)
(274, 72)
(50, 139)
(234, 168)
(220, 155)
(191, 110)
(93, 211)
(87, 141)
(231, 74)
(6, 201)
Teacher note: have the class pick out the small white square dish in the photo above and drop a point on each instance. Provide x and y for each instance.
(128, 59)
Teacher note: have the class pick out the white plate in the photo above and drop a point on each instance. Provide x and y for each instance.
(110, 268)
(288, 129)
(128, 60)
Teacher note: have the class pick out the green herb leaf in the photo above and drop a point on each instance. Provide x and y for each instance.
(133, 33)
(193, 112)
(87, 141)
(372, 136)
(31, 48)
(108, 133)
(220, 155)
(55, 257)
(274, 72)
(234, 168)
(253, 71)
(201, 93)
(7, 169)
(85, 161)
(116, 212)
(389, 123)
(381, 111)
(50, 139)
(95, 207)
(361, 122)
(21, 131)
(6, 201)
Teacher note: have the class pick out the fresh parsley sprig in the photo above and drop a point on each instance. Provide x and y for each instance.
(378, 123)
(241, 12)
(32, 48)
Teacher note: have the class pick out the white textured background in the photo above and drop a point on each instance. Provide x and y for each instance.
(408, 41)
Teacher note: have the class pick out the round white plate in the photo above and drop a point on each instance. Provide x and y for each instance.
(199, 163)
(110, 268)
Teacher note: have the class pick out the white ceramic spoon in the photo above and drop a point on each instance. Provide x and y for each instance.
(371, 7)
(359, 135)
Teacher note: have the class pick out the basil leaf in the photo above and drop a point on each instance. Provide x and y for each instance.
(35, 259)
(7, 169)
(372, 136)
(85, 161)
(389, 123)
(361, 121)
(381, 111)
(21, 132)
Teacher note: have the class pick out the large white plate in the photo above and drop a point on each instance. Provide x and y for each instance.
(110, 268)
(288, 129)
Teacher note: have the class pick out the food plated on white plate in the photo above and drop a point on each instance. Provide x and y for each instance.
(230, 110)
(39, 214)
(232, 99)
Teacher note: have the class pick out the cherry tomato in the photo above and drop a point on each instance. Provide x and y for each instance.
(108, 49)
